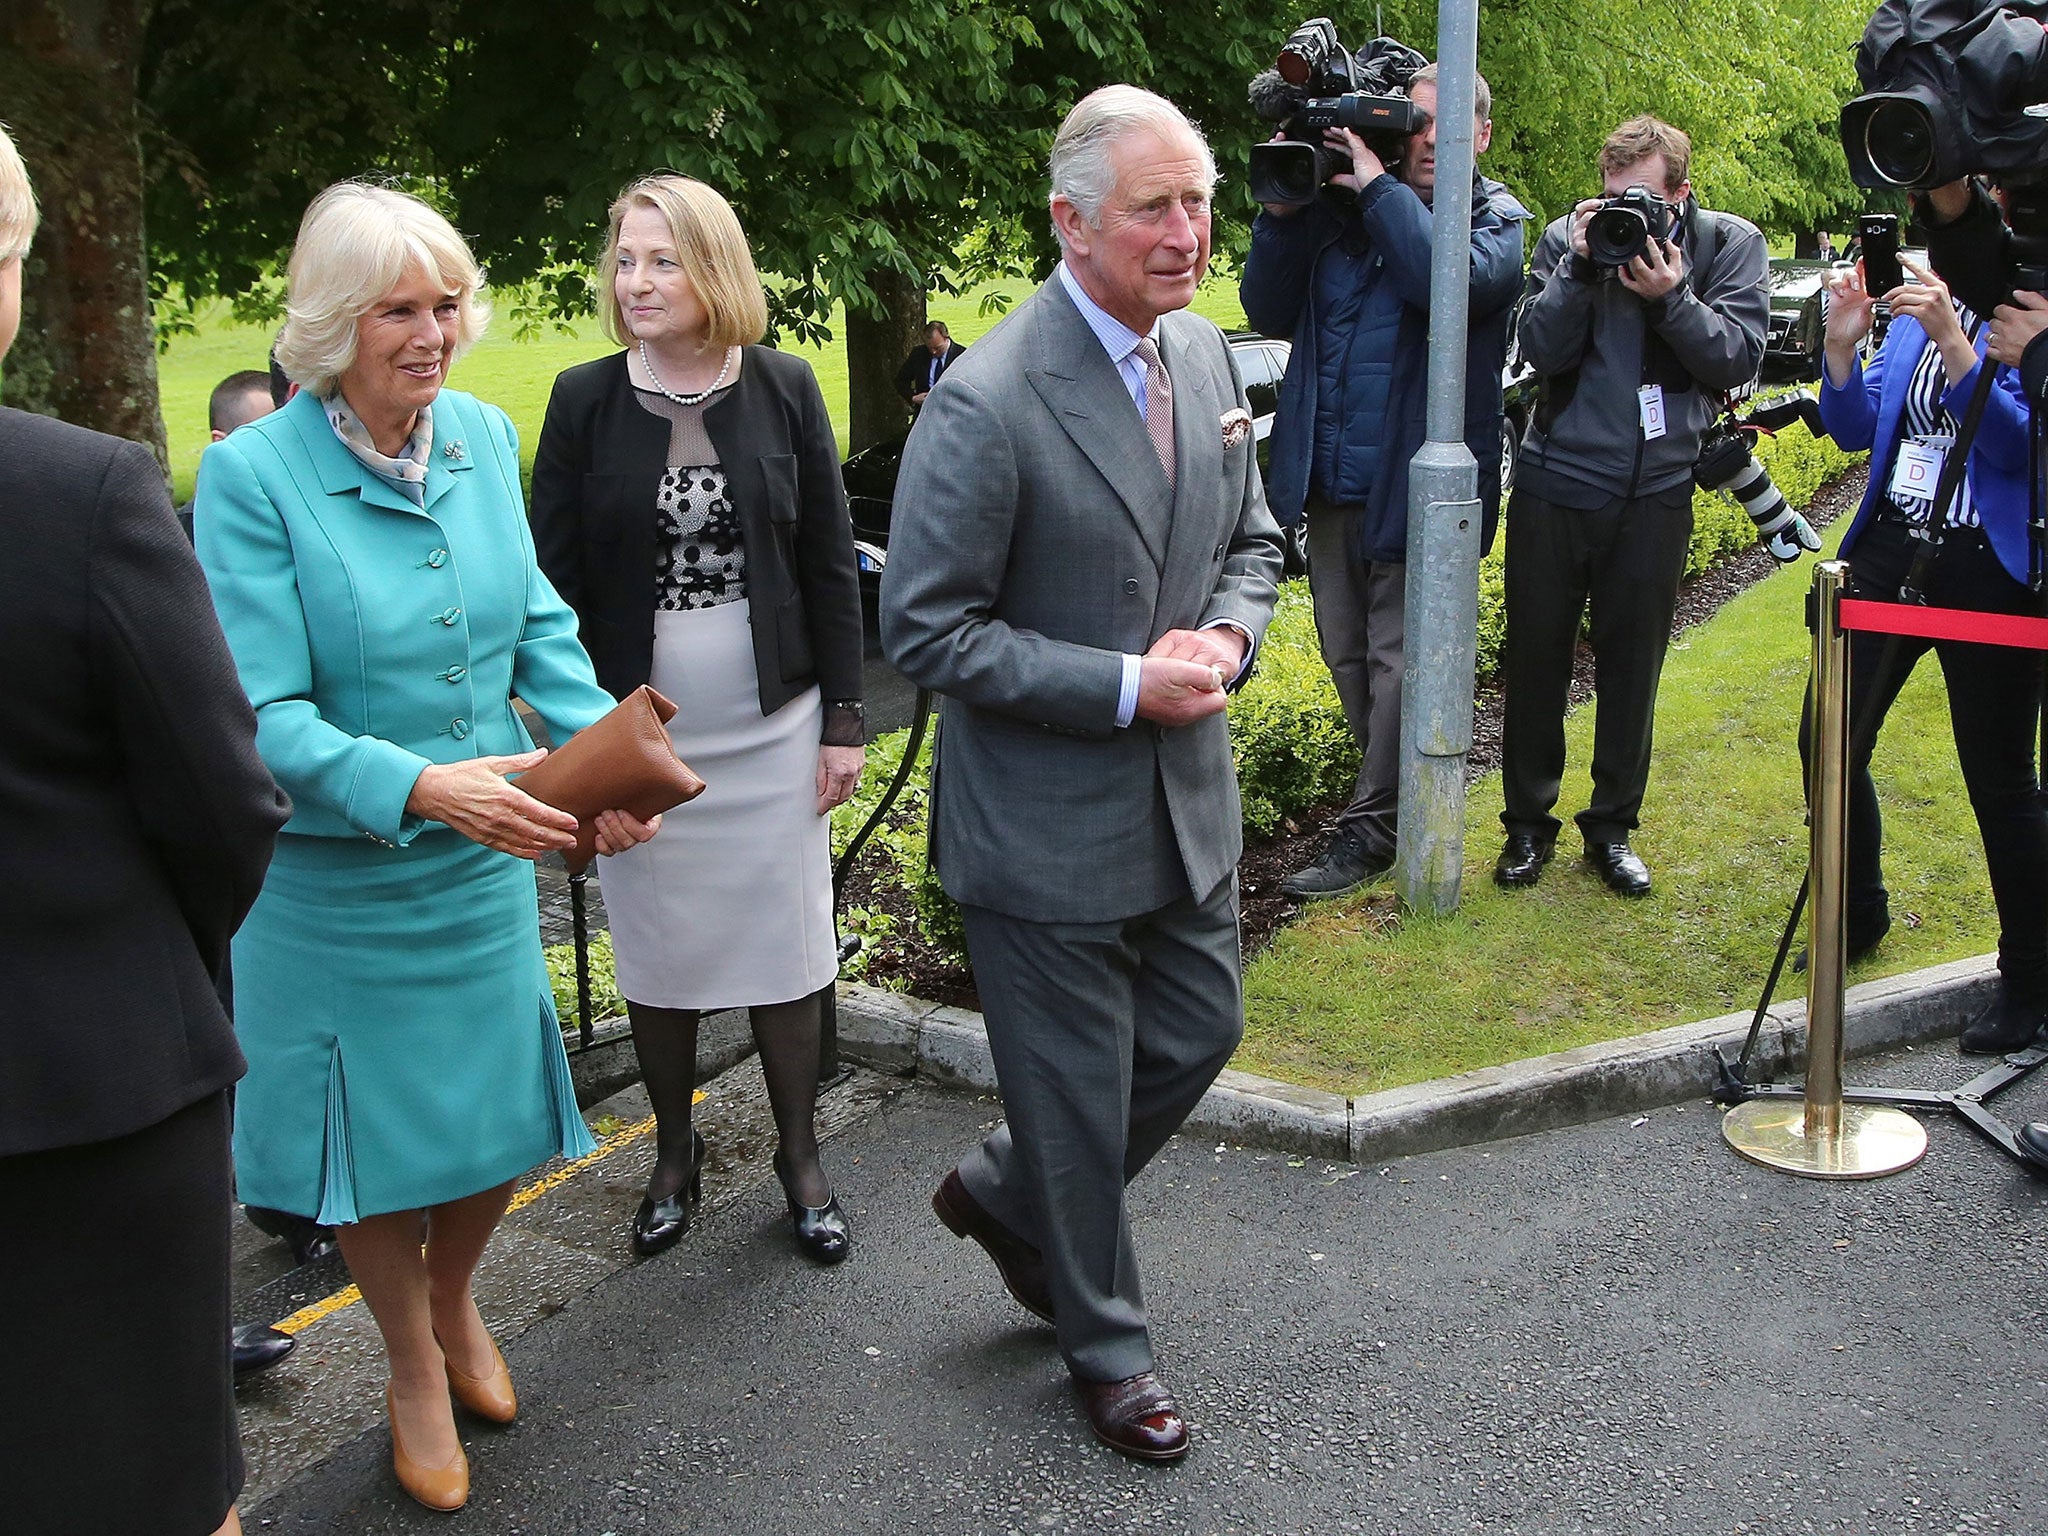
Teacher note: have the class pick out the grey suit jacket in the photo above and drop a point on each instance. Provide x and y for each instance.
(1034, 541)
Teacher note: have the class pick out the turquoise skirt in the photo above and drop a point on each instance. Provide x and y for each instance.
(401, 1034)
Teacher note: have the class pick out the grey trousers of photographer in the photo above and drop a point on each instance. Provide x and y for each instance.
(1361, 624)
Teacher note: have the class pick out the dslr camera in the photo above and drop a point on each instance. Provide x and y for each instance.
(1318, 84)
(1728, 462)
(1623, 226)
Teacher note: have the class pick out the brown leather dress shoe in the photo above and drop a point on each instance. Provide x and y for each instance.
(1137, 1416)
(489, 1396)
(1021, 1265)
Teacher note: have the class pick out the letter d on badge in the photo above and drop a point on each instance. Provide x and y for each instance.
(1650, 402)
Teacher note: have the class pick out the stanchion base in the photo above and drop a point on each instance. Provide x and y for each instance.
(1874, 1140)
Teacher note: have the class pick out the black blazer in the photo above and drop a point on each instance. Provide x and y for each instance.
(138, 818)
(595, 475)
(916, 371)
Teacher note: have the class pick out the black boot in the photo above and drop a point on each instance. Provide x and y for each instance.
(2005, 1025)
(1345, 865)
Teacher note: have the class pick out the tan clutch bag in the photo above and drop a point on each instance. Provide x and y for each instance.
(625, 762)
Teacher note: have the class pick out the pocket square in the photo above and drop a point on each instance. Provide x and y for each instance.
(1237, 426)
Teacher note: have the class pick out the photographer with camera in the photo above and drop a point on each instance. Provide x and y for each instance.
(1642, 308)
(1346, 277)
(1906, 408)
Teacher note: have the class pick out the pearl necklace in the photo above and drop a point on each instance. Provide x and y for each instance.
(703, 394)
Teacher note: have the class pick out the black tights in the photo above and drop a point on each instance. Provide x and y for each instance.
(786, 1035)
(1993, 699)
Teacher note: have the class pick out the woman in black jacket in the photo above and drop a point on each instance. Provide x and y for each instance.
(139, 823)
(687, 504)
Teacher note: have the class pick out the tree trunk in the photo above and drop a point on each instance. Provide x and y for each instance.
(1806, 245)
(875, 349)
(68, 78)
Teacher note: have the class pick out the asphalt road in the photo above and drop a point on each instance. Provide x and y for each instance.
(1615, 1328)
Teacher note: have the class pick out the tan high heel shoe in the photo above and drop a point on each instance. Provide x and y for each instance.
(488, 1397)
(445, 1488)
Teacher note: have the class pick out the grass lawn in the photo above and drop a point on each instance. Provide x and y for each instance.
(1352, 1000)
(518, 375)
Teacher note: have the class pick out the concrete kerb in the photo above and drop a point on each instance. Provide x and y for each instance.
(894, 1033)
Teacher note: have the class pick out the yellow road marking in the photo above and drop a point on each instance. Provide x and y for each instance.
(349, 1295)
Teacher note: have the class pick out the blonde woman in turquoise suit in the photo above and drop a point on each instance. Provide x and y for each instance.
(370, 562)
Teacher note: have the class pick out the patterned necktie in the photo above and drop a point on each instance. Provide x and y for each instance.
(1158, 405)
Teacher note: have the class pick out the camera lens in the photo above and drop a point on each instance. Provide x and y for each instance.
(1899, 139)
(1286, 172)
(1616, 236)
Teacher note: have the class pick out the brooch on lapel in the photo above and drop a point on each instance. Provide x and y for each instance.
(455, 451)
(1237, 426)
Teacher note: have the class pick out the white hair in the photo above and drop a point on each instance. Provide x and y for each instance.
(17, 202)
(1082, 171)
(356, 243)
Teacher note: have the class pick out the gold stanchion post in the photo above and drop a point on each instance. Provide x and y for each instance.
(1821, 1137)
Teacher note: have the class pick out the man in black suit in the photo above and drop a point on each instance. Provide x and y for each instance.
(921, 370)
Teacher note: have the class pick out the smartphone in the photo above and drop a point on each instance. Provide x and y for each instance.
(1879, 234)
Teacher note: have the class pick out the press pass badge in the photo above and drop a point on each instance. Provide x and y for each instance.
(1917, 471)
(1650, 401)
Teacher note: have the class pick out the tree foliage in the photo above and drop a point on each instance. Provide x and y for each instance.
(875, 148)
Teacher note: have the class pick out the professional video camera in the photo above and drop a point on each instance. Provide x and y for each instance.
(1952, 89)
(1318, 84)
(1728, 463)
(1622, 228)
(1957, 88)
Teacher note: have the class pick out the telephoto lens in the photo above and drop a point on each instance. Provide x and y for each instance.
(1728, 465)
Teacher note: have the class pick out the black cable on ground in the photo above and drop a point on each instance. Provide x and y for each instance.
(920, 718)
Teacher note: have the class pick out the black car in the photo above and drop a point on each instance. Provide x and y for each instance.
(1792, 343)
(1518, 384)
(870, 475)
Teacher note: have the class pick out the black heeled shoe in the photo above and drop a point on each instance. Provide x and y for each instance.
(660, 1224)
(821, 1230)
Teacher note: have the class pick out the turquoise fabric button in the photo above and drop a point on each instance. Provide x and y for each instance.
(459, 729)
(437, 558)
(453, 674)
(450, 615)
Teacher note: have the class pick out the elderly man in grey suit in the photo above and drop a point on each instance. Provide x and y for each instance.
(1082, 563)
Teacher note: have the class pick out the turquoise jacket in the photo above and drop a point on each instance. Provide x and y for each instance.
(374, 637)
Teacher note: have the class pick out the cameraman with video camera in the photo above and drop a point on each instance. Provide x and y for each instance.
(1643, 307)
(1346, 276)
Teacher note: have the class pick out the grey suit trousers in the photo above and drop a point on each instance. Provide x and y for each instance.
(1361, 627)
(1105, 1036)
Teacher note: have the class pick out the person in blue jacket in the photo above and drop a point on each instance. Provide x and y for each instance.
(1347, 278)
(369, 558)
(1905, 407)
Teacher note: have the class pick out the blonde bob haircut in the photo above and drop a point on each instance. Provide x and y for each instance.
(17, 202)
(711, 248)
(356, 243)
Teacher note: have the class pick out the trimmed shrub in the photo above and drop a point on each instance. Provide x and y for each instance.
(1287, 728)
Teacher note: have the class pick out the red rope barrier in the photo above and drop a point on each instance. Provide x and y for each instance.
(1945, 624)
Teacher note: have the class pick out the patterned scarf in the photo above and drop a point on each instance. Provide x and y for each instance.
(408, 472)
